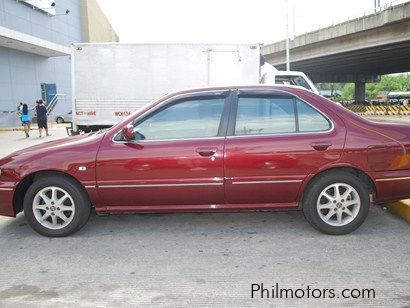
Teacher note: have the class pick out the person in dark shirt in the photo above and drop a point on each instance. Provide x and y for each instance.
(41, 111)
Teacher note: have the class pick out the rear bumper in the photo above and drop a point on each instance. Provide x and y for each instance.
(6, 200)
(392, 185)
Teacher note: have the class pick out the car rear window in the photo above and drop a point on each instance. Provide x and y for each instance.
(310, 120)
(265, 115)
(259, 115)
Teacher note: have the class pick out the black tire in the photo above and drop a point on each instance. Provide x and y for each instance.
(60, 120)
(313, 192)
(77, 193)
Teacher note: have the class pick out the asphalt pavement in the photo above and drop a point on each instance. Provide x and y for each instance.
(11, 141)
(199, 259)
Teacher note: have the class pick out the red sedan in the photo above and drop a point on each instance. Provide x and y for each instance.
(215, 149)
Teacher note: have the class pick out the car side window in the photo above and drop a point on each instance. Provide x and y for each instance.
(265, 115)
(310, 120)
(190, 118)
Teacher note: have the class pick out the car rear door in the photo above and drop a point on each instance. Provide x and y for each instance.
(177, 159)
(274, 142)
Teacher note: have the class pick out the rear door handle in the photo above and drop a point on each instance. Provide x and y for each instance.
(321, 146)
(206, 151)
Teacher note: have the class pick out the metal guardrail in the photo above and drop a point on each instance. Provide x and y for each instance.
(11, 118)
(51, 105)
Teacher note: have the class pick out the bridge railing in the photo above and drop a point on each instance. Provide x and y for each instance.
(358, 15)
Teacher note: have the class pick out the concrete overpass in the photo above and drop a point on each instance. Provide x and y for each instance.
(356, 51)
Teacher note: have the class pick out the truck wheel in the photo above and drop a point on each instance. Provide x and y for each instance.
(56, 206)
(336, 203)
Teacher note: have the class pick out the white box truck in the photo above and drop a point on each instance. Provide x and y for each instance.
(112, 80)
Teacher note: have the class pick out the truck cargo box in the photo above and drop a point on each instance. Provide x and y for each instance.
(112, 80)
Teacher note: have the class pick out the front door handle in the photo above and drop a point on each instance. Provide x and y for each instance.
(321, 146)
(206, 151)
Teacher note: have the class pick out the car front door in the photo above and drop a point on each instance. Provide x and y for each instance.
(175, 160)
(274, 142)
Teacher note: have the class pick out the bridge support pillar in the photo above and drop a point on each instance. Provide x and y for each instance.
(360, 91)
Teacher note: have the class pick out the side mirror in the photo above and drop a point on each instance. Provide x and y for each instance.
(128, 133)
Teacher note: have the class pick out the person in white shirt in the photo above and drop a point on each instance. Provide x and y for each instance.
(19, 111)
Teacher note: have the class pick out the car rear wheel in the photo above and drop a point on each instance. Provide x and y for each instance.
(336, 203)
(56, 206)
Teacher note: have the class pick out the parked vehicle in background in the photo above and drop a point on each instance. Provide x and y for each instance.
(399, 95)
(215, 149)
(66, 118)
(112, 80)
(331, 94)
(270, 75)
(393, 102)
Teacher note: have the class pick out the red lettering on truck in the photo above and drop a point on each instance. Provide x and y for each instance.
(88, 113)
(122, 113)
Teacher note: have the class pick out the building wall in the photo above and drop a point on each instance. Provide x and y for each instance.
(21, 73)
(60, 29)
(96, 27)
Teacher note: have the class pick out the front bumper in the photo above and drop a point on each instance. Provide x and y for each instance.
(6, 199)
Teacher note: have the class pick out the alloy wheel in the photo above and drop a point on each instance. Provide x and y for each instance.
(338, 204)
(53, 207)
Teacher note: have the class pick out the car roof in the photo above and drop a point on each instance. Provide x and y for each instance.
(285, 88)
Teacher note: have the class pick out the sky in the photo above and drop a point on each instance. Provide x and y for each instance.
(225, 21)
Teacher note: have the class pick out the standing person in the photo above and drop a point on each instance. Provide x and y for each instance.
(19, 111)
(41, 111)
(25, 119)
(19, 107)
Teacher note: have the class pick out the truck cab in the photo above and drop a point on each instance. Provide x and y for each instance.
(270, 75)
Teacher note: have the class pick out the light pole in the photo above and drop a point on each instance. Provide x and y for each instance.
(376, 5)
(287, 37)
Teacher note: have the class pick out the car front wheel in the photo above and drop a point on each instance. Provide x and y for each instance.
(56, 206)
(336, 203)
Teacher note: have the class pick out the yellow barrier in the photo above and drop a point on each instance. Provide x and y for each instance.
(357, 108)
(370, 110)
(376, 110)
(380, 110)
(405, 110)
(401, 208)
